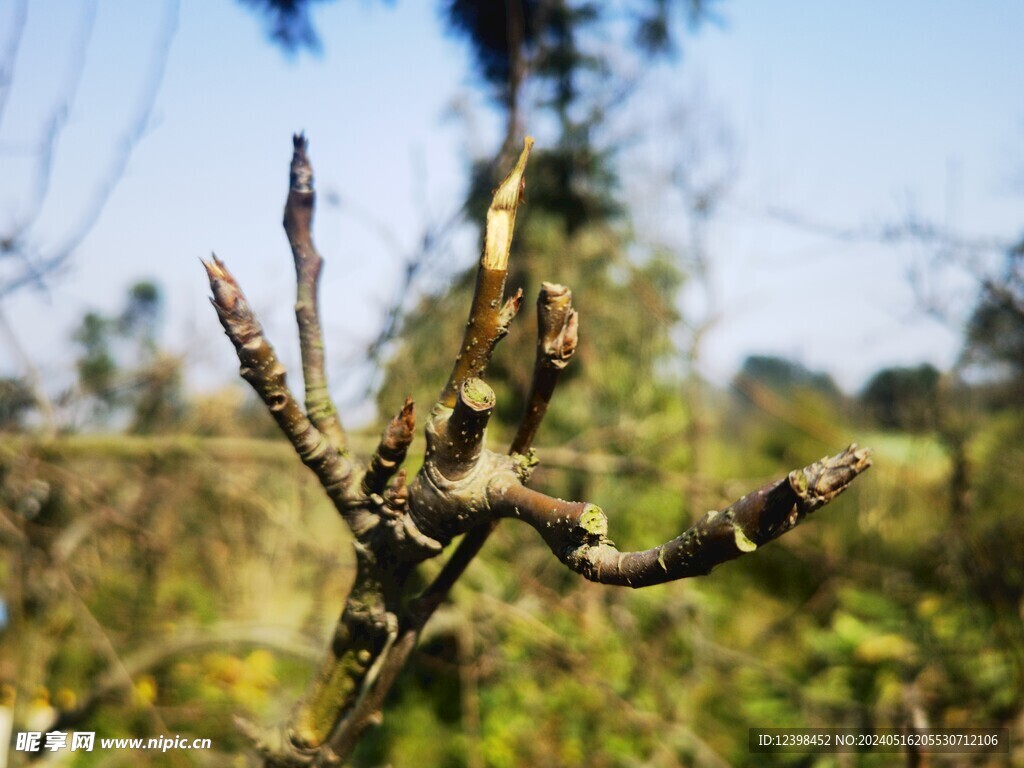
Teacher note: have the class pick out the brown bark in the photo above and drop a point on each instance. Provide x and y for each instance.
(298, 226)
(577, 532)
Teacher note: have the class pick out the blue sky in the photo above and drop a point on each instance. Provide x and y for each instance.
(852, 115)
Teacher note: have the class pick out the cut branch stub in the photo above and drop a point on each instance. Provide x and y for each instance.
(557, 326)
(501, 216)
(462, 439)
(488, 318)
(449, 495)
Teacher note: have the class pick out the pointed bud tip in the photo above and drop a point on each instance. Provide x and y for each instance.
(214, 268)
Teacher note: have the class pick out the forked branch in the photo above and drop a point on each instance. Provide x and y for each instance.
(462, 487)
(264, 371)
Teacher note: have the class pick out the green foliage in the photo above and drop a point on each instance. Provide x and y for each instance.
(16, 400)
(785, 377)
(96, 366)
(121, 368)
(138, 545)
(903, 398)
(886, 599)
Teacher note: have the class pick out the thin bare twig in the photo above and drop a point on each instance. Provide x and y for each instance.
(37, 262)
(390, 452)
(298, 225)
(10, 53)
(262, 369)
(557, 336)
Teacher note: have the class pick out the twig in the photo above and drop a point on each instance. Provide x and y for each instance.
(37, 263)
(298, 221)
(577, 532)
(557, 336)
(390, 452)
(11, 53)
(266, 374)
(488, 319)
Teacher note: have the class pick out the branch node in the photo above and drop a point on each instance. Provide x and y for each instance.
(524, 464)
(396, 495)
(592, 524)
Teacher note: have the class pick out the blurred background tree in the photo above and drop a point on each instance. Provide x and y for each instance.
(122, 369)
(904, 398)
(995, 330)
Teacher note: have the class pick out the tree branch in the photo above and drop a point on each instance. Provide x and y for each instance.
(262, 369)
(298, 222)
(390, 452)
(577, 531)
(557, 335)
(488, 319)
(9, 55)
(36, 263)
(557, 332)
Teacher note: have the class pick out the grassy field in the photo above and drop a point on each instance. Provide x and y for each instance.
(162, 585)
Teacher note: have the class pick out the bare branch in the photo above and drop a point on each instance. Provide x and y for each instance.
(488, 319)
(557, 336)
(58, 117)
(557, 333)
(266, 374)
(391, 450)
(577, 531)
(462, 488)
(298, 222)
(135, 131)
